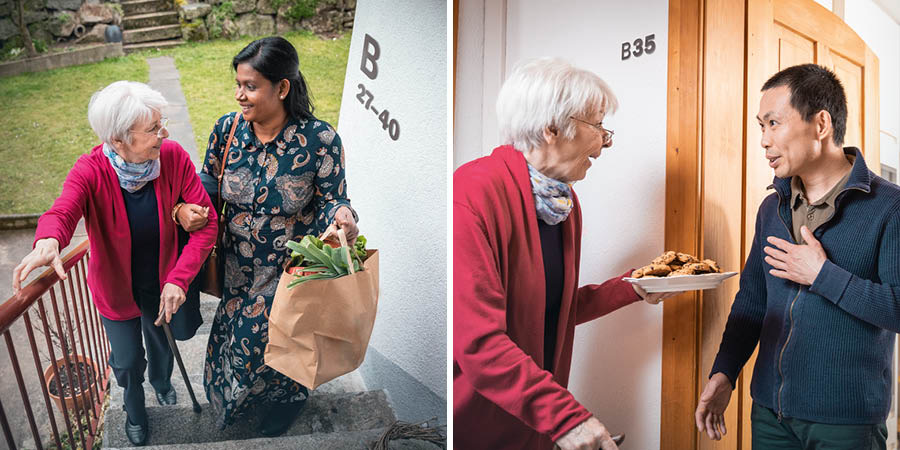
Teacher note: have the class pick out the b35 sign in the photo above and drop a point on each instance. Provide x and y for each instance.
(639, 47)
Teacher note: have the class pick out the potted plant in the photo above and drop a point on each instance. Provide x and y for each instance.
(83, 370)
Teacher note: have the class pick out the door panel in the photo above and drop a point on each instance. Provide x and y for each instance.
(793, 48)
(851, 75)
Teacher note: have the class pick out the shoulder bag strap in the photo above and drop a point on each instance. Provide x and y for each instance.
(222, 161)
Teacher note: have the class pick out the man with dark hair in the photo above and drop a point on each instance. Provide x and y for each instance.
(820, 291)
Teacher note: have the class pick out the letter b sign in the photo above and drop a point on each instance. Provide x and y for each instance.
(371, 52)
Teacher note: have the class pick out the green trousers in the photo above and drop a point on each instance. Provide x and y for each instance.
(798, 434)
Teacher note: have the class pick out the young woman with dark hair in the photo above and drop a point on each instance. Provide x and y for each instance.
(284, 178)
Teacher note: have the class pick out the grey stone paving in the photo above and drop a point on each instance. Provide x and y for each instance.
(164, 77)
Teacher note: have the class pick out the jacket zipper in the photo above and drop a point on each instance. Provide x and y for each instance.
(781, 355)
(791, 318)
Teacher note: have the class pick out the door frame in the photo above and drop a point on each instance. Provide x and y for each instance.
(706, 103)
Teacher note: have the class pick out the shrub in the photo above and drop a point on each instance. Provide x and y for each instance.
(299, 9)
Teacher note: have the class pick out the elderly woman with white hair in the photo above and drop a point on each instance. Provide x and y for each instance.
(516, 253)
(125, 189)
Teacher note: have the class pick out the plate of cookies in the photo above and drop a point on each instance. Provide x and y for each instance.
(673, 272)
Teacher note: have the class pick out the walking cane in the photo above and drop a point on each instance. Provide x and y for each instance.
(184, 375)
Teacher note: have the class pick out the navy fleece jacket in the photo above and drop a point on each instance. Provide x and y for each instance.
(825, 350)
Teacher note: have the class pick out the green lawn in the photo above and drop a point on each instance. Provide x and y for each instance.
(44, 125)
(208, 80)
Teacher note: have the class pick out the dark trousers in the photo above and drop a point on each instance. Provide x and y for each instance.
(128, 363)
(769, 433)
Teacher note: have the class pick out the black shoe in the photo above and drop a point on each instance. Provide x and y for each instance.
(279, 418)
(169, 398)
(137, 434)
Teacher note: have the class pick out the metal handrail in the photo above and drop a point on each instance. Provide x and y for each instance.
(78, 316)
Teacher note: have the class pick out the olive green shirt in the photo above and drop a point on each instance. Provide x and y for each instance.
(812, 214)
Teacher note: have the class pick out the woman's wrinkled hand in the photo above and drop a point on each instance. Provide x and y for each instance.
(343, 218)
(192, 217)
(170, 300)
(655, 297)
(588, 435)
(45, 253)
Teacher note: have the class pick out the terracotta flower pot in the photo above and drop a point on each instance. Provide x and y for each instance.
(88, 376)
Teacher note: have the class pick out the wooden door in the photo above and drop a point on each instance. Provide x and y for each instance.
(721, 52)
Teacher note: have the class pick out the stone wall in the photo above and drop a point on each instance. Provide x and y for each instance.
(211, 19)
(51, 21)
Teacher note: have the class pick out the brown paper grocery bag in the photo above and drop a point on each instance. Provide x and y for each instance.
(320, 329)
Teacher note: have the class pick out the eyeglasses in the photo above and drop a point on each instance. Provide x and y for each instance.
(607, 134)
(159, 133)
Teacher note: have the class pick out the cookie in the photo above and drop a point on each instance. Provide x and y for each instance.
(685, 258)
(655, 269)
(665, 258)
(713, 265)
(682, 271)
(638, 273)
(699, 267)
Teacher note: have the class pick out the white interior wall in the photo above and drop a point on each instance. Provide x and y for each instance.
(469, 75)
(617, 359)
(882, 35)
(826, 3)
(399, 187)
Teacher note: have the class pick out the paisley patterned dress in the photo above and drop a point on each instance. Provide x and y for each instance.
(282, 190)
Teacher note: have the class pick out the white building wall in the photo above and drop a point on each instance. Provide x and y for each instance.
(399, 187)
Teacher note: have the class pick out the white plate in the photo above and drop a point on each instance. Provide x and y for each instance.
(681, 282)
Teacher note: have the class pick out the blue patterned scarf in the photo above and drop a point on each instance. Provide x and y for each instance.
(132, 176)
(552, 198)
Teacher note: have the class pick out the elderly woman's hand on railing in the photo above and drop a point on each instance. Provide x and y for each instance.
(170, 300)
(45, 253)
(191, 217)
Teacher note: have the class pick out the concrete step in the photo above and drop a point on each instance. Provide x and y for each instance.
(130, 48)
(328, 413)
(133, 7)
(347, 440)
(193, 354)
(158, 33)
(150, 20)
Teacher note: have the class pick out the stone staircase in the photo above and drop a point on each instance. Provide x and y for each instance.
(340, 414)
(150, 24)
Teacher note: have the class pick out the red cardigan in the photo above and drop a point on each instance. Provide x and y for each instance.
(92, 190)
(502, 396)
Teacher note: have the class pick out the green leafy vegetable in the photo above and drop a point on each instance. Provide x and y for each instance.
(318, 261)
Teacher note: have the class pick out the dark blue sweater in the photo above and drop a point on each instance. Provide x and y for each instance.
(828, 357)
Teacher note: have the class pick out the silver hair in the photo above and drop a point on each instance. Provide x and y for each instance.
(545, 92)
(116, 108)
